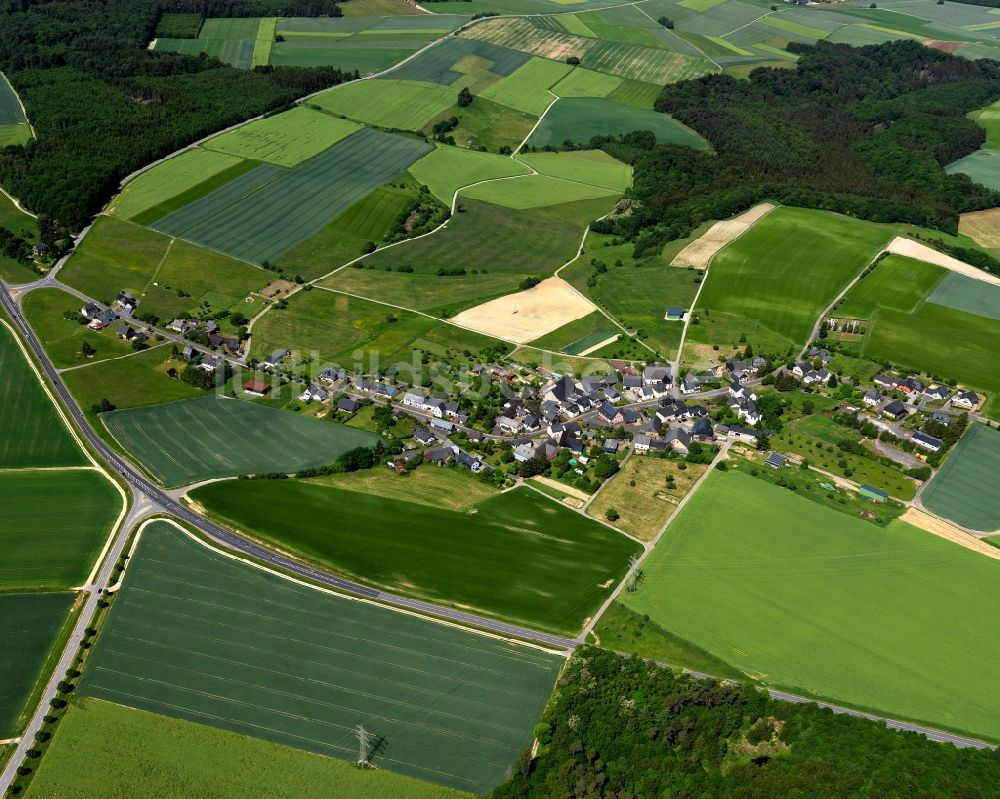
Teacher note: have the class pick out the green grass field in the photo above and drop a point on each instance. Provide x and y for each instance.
(579, 119)
(872, 617)
(451, 61)
(63, 338)
(184, 442)
(21, 225)
(446, 169)
(285, 139)
(538, 191)
(178, 175)
(488, 125)
(966, 489)
(967, 294)
(53, 526)
(31, 432)
(788, 267)
(169, 277)
(590, 167)
(897, 282)
(408, 105)
(103, 749)
(29, 626)
(196, 635)
(368, 219)
(915, 340)
(527, 89)
(140, 379)
(524, 558)
(295, 203)
(636, 94)
(586, 83)
(335, 328)
(231, 40)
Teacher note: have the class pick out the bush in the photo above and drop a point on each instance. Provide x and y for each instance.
(612, 515)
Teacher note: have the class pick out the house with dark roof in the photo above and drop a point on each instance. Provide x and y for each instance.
(775, 460)
(675, 314)
(609, 414)
(348, 405)
(968, 400)
(424, 436)
(657, 373)
(256, 387)
(928, 442)
(276, 357)
(439, 455)
(872, 397)
(894, 410)
(937, 393)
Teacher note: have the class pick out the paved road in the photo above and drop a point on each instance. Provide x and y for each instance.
(131, 474)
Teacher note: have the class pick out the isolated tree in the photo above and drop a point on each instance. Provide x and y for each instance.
(572, 60)
(465, 97)
(666, 22)
(612, 515)
(87, 349)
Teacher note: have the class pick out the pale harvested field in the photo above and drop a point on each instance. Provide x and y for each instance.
(922, 252)
(701, 251)
(983, 227)
(569, 491)
(519, 34)
(527, 315)
(437, 487)
(645, 507)
(600, 344)
(949, 531)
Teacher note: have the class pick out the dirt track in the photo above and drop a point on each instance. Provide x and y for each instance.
(701, 251)
(526, 315)
(931, 524)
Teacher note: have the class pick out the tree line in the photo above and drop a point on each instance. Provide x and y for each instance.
(862, 131)
(620, 728)
(103, 105)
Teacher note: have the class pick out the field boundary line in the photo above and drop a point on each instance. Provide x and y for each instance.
(741, 27)
(126, 504)
(332, 592)
(598, 346)
(555, 99)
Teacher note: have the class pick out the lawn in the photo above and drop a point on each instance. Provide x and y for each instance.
(966, 488)
(404, 104)
(285, 139)
(967, 294)
(169, 277)
(523, 558)
(586, 83)
(788, 267)
(537, 191)
(368, 219)
(295, 204)
(897, 282)
(915, 340)
(590, 167)
(527, 89)
(645, 507)
(52, 526)
(446, 62)
(179, 175)
(192, 440)
(31, 432)
(29, 626)
(579, 119)
(103, 749)
(231, 40)
(10, 108)
(637, 94)
(63, 338)
(816, 575)
(198, 636)
(444, 170)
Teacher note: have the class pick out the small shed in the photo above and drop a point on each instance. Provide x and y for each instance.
(872, 494)
(674, 315)
(775, 460)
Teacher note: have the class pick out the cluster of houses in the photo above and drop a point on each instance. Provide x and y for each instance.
(98, 316)
(228, 342)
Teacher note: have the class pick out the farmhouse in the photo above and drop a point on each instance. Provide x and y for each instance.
(937, 393)
(872, 494)
(99, 316)
(872, 397)
(895, 410)
(424, 436)
(125, 303)
(745, 434)
(348, 405)
(928, 442)
(886, 382)
(966, 399)
(256, 387)
(438, 456)
(610, 415)
(690, 385)
(276, 357)
(679, 439)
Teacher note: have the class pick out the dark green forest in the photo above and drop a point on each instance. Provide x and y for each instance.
(103, 105)
(864, 131)
(619, 728)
